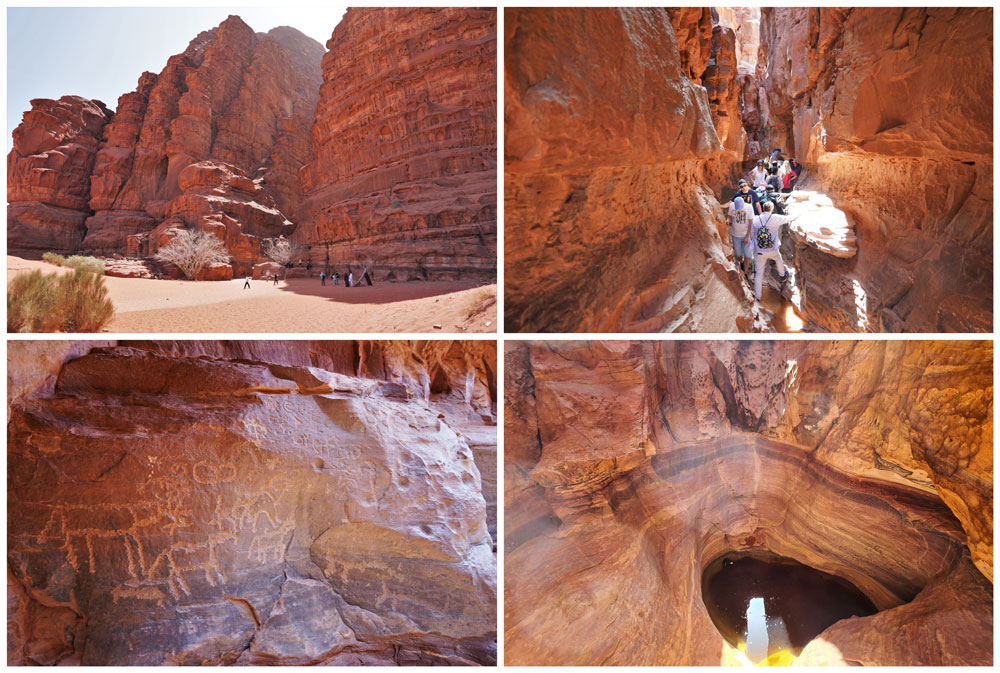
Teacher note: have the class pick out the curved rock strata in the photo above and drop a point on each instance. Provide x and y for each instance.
(404, 144)
(629, 467)
(253, 503)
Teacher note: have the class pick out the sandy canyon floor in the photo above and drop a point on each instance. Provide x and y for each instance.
(296, 305)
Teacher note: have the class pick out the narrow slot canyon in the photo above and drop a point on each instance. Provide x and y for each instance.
(626, 131)
(736, 503)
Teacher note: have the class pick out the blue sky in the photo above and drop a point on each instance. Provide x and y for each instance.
(99, 52)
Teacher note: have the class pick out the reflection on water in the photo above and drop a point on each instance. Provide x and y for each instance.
(769, 607)
(786, 317)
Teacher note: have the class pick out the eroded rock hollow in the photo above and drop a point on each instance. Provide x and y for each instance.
(251, 503)
(380, 151)
(626, 128)
(629, 468)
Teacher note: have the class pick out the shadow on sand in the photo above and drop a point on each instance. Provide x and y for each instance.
(379, 293)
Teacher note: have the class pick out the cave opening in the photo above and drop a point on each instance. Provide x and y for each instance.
(770, 607)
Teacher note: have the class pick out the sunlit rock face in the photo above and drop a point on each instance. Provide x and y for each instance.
(404, 145)
(630, 467)
(893, 120)
(609, 151)
(252, 502)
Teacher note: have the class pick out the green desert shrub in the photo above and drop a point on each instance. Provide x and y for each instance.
(88, 263)
(60, 302)
(54, 258)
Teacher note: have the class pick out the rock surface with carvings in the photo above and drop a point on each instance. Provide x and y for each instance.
(404, 144)
(252, 502)
(629, 467)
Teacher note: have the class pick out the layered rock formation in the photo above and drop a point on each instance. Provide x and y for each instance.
(404, 168)
(629, 467)
(609, 152)
(251, 502)
(48, 173)
(240, 100)
(901, 139)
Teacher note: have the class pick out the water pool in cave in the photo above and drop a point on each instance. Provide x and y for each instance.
(770, 607)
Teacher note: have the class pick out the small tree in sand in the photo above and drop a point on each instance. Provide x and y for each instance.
(282, 251)
(192, 251)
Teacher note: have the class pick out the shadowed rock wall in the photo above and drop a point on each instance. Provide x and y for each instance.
(252, 502)
(609, 148)
(631, 466)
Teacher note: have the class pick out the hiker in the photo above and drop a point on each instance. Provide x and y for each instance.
(322, 277)
(246, 285)
(772, 179)
(775, 197)
(764, 236)
(749, 197)
(786, 179)
(775, 153)
(275, 278)
(739, 220)
(759, 175)
(350, 279)
(335, 276)
(797, 172)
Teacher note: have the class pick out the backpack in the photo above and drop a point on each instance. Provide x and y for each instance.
(764, 238)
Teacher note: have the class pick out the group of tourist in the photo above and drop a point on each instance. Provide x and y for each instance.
(757, 214)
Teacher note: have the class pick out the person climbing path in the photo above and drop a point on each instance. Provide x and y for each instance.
(246, 285)
(739, 222)
(749, 196)
(796, 170)
(765, 232)
(759, 175)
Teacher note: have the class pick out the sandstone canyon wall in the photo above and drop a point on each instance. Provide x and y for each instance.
(891, 111)
(631, 466)
(610, 148)
(252, 502)
(404, 145)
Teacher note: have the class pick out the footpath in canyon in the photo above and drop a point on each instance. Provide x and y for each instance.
(631, 467)
(257, 502)
(625, 129)
(377, 153)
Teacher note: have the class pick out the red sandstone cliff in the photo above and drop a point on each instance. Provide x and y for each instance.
(240, 101)
(630, 466)
(892, 115)
(252, 502)
(609, 149)
(405, 144)
(48, 173)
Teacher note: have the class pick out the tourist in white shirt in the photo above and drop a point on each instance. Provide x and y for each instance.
(765, 236)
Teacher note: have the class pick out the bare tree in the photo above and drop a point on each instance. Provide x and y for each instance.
(282, 250)
(192, 251)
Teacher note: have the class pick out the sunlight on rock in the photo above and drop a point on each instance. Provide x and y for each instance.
(820, 224)
(861, 303)
(820, 653)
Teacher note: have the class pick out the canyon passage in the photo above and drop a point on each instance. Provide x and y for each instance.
(848, 485)
(376, 154)
(626, 130)
(251, 502)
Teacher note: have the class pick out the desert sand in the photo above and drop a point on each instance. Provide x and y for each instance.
(296, 305)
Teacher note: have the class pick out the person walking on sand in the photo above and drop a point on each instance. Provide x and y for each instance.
(275, 277)
(322, 277)
(350, 279)
(246, 285)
